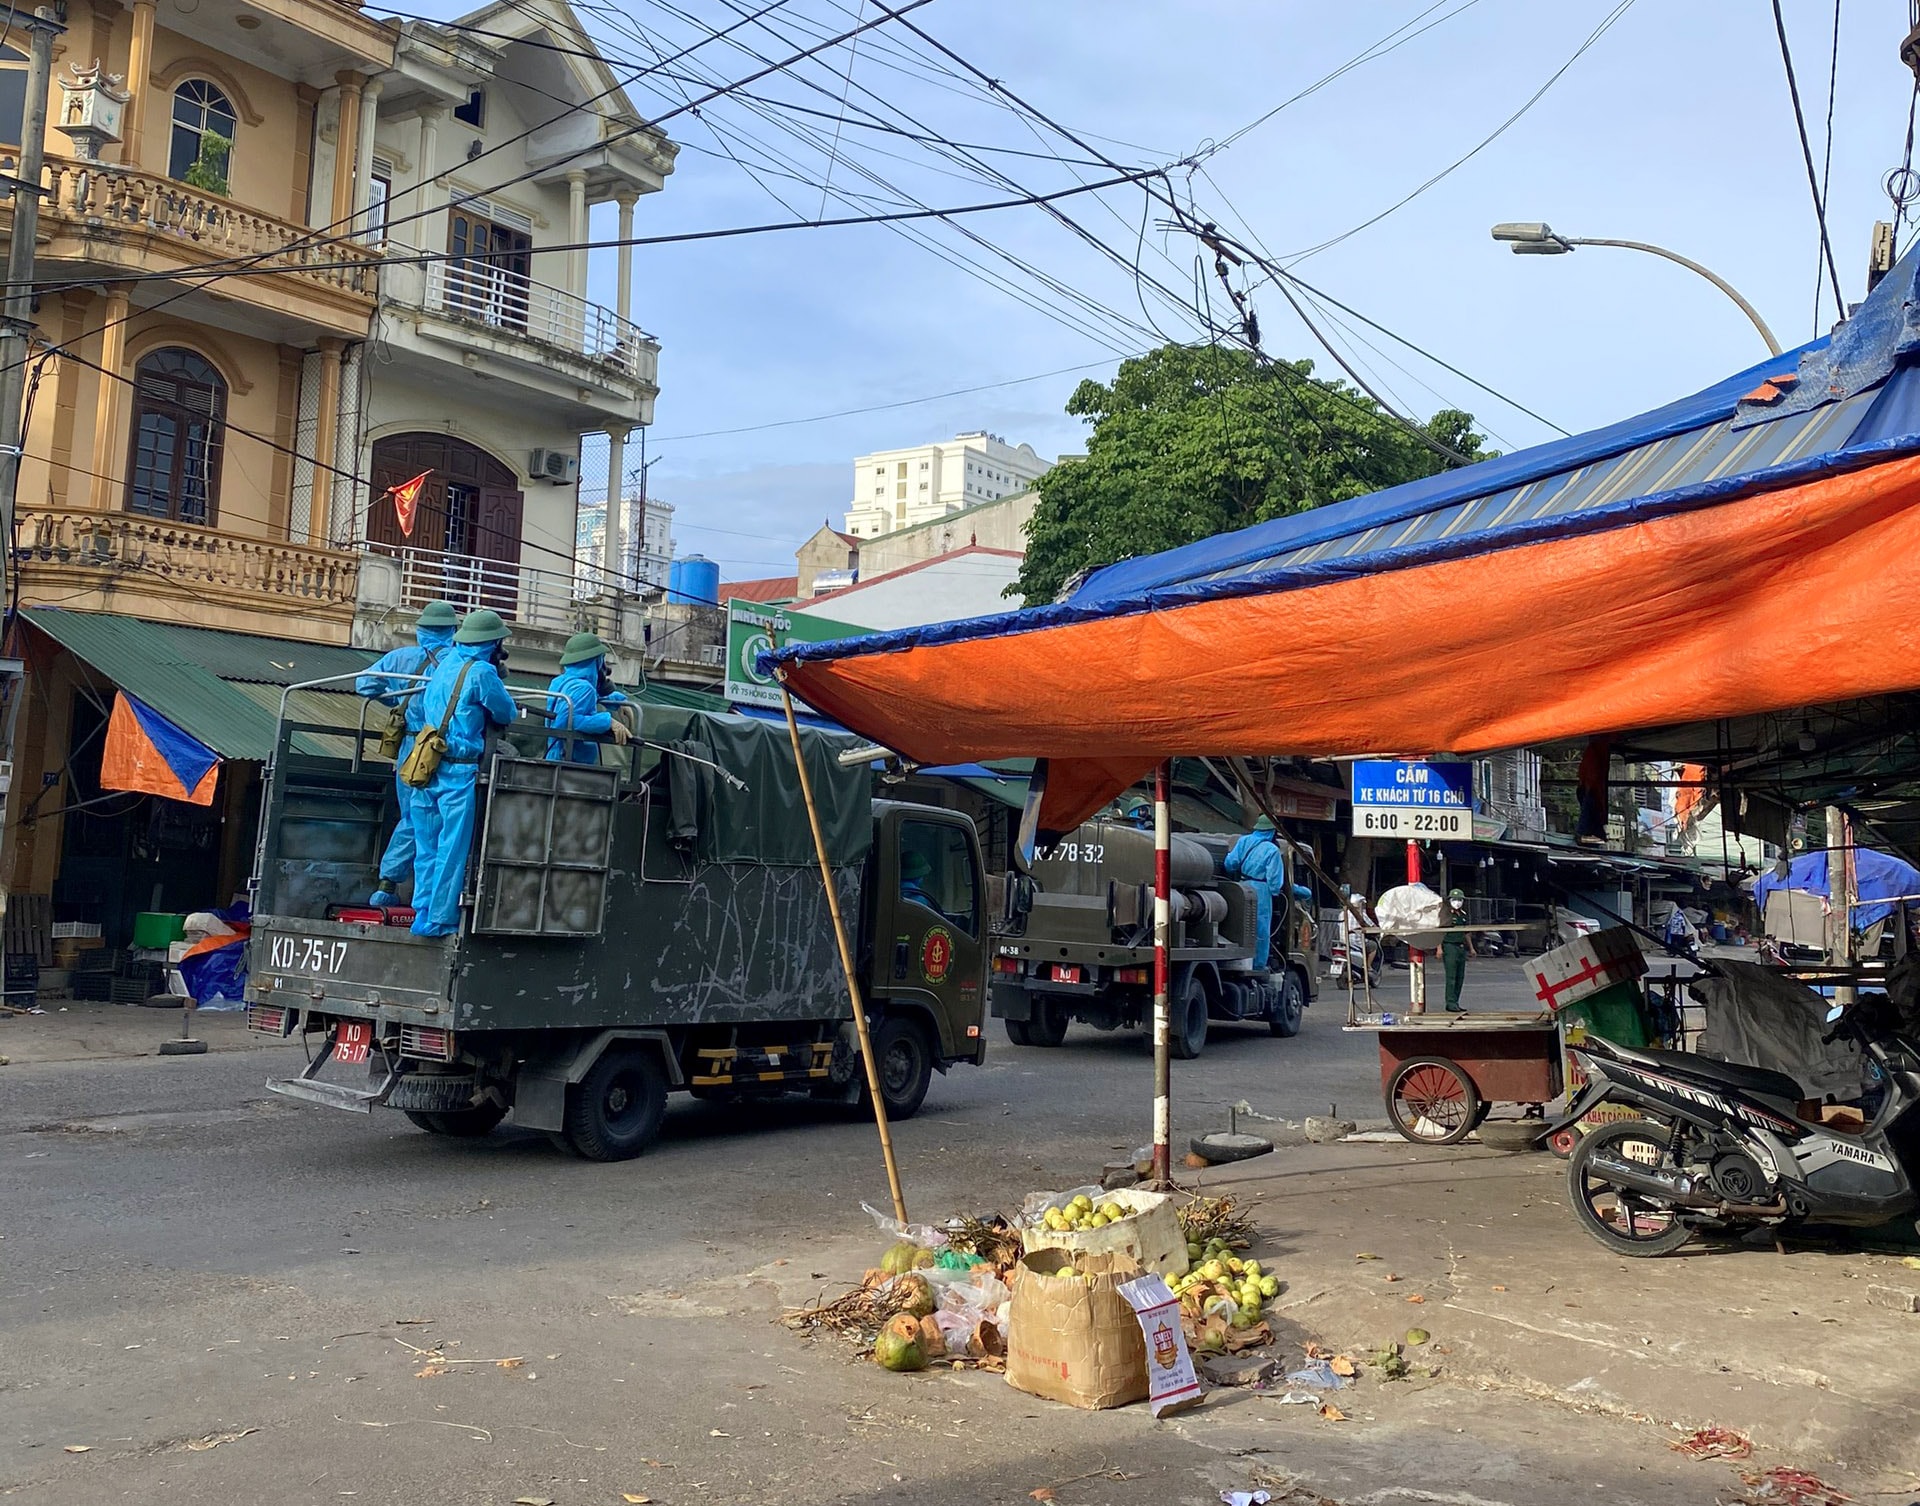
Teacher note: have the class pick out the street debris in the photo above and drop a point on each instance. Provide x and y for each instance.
(1785, 1486)
(1210, 1220)
(1332, 1413)
(78, 1448)
(634, 1498)
(214, 1440)
(1417, 1336)
(1713, 1443)
(1244, 1498)
(1319, 1374)
(1299, 1399)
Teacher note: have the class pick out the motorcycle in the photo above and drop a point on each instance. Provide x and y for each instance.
(1722, 1145)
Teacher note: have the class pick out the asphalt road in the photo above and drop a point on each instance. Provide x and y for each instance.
(213, 1295)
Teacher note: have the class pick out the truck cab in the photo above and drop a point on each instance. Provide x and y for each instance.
(1074, 942)
(653, 923)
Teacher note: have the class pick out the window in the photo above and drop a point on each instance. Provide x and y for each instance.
(488, 277)
(200, 110)
(879, 470)
(923, 486)
(474, 111)
(923, 465)
(900, 489)
(936, 870)
(379, 192)
(179, 418)
(901, 471)
(13, 94)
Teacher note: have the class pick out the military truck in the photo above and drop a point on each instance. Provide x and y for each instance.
(1075, 942)
(652, 924)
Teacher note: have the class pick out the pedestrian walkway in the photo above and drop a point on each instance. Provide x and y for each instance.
(80, 1031)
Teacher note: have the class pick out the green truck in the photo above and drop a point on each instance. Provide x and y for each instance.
(651, 924)
(1074, 942)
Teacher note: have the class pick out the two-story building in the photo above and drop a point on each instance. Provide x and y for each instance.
(496, 136)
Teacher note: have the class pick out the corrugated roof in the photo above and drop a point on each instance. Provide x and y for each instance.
(265, 661)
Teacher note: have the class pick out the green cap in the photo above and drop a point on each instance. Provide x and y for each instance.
(1459, 894)
(582, 647)
(914, 865)
(482, 626)
(437, 614)
(1263, 823)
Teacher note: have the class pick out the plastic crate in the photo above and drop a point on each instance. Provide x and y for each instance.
(154, 931)
(76, 930)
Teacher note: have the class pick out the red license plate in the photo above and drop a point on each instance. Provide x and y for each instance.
(352, 1040)
(1064, 974)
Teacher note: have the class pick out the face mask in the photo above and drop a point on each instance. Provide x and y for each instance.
(602, 680)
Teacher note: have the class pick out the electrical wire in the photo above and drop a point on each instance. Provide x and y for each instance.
(1826, 167)
(1806, 152)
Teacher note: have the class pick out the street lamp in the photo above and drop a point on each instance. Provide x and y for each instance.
(1536, 239)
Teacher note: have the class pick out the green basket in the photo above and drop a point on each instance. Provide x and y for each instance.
(154, 932)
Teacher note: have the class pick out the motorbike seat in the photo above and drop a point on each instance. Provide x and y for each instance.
(1735, 1075)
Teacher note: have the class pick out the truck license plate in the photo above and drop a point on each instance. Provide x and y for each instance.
(306, 954)
(352, 1040)
(1065, 974)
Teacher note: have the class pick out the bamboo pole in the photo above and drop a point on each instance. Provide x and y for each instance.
(846, 963)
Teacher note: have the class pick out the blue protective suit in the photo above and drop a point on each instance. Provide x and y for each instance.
(443, 811)
(1256, 859)
(573, 705)
(376, 683)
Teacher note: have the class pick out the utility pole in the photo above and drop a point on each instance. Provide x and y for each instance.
(16, 321)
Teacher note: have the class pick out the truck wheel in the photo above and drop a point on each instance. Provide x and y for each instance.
(614, 1112)
(1048, 1027)
(1188, 1034)
(904, 1064)
(1288, 1008)
(460, 1124)
(1017, 1033)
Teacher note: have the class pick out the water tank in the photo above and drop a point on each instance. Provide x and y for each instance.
(693, 582)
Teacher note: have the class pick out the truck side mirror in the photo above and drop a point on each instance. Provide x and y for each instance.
(1027, 839)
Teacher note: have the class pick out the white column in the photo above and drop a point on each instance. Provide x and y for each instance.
(420, 232)
(612, 556)
(623, 294)
(363, 158)
(577, 232)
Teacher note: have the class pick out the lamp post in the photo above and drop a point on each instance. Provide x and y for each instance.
(1536, 239)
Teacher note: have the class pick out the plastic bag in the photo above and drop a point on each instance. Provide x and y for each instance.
(1414, 913)
(924, 1235)
(1035, 1207)
(1317, 1373)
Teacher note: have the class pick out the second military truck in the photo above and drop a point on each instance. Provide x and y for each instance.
(1075, 942)
(652, 924)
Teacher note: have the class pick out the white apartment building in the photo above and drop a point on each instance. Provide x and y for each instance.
(494, 136)
(900, 488)
(646, 534)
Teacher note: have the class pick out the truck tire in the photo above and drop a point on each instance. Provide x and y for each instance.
(904, 1063)
(1187, 1035)
(460, 1124)
(614, 1112)
(1017, 1032)
(1289, 1007)
(1048, 1027)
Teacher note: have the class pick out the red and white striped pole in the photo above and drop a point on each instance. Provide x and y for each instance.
(1416, 961)
(1162, 981)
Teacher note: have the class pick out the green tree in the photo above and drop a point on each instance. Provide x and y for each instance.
(1192, 441)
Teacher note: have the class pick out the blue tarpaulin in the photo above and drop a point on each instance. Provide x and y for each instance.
(1879, 879)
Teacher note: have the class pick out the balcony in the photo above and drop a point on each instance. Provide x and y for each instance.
(501, 323)
(177, 572)
(123, 220)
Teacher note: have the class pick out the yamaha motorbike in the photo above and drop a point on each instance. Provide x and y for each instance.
(1722, 1146)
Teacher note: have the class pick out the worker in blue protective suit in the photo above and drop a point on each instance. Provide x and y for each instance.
(394, 679)
(463, 697)
(1256, 859)
(576, 702)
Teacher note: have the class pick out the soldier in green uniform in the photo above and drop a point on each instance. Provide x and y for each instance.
(1455, 948)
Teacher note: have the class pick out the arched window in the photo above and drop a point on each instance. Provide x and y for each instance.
(179, 419)
(201, 110)
(13, 94)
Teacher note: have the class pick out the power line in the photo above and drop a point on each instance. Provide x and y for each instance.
(1806, 152)
(1826, 167)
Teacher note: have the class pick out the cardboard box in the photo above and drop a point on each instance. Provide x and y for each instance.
(1585, 966)
(1071, 1335)
(1843, 1118)
(1149, 1234)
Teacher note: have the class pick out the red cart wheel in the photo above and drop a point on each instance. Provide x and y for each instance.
(1432, 1101)
(1563, 1142)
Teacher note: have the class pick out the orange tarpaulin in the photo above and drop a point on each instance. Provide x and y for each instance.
(1789, 597)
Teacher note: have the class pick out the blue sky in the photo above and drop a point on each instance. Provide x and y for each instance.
(1674, 127)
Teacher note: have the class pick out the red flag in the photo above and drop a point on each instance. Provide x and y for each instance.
(406, 500)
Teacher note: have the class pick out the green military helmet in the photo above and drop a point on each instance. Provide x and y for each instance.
(1263, 823)
(1457, 896)
(437, 614)
(914, 867)
(483, 626)
(581, 647)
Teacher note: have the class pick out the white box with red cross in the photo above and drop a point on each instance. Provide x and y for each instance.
(1585, 966)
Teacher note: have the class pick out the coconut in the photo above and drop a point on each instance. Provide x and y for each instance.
(899, 1258)
(913, 1294)
(899, 1346)
(932, 1341)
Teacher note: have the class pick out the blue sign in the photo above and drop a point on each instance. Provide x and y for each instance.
(1406, 784)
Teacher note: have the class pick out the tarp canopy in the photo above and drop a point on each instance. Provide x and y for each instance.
(1879, 880)
(1729, 554)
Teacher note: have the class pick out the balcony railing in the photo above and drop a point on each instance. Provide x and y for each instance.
(92, 197)
(549, 599)
(264, 574)
(506, 300)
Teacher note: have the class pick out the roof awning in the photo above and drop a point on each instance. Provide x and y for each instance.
(222, 688)
(1727, 555)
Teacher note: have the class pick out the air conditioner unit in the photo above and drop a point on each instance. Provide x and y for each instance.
(556, 466)
(713, 653)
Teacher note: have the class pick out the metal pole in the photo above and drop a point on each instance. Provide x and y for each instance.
(846, 964)
(1162, 981)
(1841, 897)
(1691, 265)
(16, 319)
(1416, 961)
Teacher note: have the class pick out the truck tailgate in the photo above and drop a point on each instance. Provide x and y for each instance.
(349, 968)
